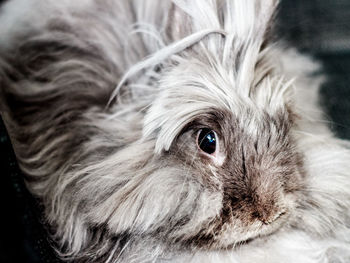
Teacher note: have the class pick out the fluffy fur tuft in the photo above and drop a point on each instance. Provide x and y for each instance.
(104, 100)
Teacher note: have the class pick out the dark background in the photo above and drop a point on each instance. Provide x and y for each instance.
(322, 28)
(317, 27)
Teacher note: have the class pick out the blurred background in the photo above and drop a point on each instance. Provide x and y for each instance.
(322, 28)
(317, 27)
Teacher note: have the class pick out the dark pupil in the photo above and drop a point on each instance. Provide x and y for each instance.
(207, 141)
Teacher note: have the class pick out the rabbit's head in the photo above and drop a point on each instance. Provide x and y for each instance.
(230, 148)
(216, 164)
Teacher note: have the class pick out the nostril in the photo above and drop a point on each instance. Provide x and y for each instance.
(234, 200)
(256, 214)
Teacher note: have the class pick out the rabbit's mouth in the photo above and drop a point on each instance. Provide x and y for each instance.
(231, 231)
(233, 235)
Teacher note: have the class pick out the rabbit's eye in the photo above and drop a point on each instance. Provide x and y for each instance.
(207, 140)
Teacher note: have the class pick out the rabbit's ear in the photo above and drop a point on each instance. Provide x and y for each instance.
(249, 18)
(241, 18)
(179, 23)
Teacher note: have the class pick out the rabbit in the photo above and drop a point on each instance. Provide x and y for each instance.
(172, 131)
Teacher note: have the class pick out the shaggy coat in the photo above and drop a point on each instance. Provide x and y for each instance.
(105, 102)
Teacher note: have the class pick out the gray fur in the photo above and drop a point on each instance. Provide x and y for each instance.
(103, 101)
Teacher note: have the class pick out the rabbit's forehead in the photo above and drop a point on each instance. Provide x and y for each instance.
(201, 79)
(196, 86)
